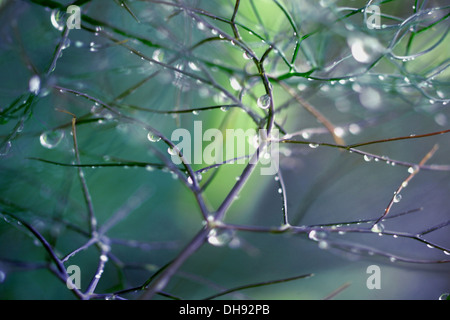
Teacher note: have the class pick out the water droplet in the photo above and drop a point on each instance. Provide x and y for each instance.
(397, 197)
(4, 150)
(370, 98)
(220, 238)
(447, 253)
(392, 259)
(247, 55)
(158, 55)
(313, 145)
(56, 18)
(323, 245)
(340, 132)
(34, 85)
(368, 158)
(51, 139)
(264, 101)
(172, 151)
(193, 66)
(153, 138)
(93, 47)
(440, 94)
(317, 235)
(444, 296)
(280, 190)
(104, 258)
(235, 84)
(377, 228)
(149, 168)
(224, 109)
(98, 29)
(365, 49)
(195, 112)
(65, 44)
(411, 170)
(441, 119)
(201, 26)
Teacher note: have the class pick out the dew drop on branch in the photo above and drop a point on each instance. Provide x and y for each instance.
(323, 244)
(158, 55)
(444, 296)
(4, 150)
(51, 139)
(264, 101)
(397, 197)
(34, 85)
(220, 238)
(365, 49)
(441, 119)
(153, 138)
(65, 44)
(235, 84)
(412, 170)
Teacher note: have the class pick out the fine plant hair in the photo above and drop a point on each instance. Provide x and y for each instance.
(87, 176)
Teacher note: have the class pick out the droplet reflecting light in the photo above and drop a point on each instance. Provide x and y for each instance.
(51, 139)
(264, 101)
